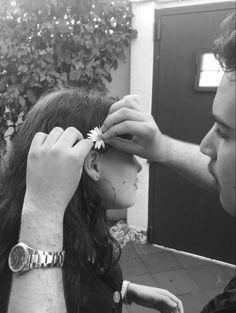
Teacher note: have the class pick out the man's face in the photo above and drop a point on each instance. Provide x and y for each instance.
(219, 143)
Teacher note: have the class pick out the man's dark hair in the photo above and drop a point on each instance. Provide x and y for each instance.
(224, 45)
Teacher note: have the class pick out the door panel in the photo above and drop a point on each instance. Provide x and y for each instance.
(181, 215)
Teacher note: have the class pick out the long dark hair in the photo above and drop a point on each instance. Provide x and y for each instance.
(86, 236)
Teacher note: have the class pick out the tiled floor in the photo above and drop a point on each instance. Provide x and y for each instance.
(193, 280)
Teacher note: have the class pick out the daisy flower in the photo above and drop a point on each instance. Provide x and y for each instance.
(96, 136)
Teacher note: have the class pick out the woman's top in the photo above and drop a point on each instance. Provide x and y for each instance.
(224, 302)
(105, 293)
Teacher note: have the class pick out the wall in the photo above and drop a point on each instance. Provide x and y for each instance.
(141, 83)
(120, 84)
(178, 3)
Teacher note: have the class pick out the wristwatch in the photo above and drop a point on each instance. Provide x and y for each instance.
(23, 258)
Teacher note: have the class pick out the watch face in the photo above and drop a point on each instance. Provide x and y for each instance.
(17, 258)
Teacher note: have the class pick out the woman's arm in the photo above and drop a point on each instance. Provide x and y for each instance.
(151, 297)
(54, 169)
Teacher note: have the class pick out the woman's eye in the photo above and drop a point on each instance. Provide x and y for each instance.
(220, 133)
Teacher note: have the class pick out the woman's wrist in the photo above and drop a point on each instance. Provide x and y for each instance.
(130, 294)
(41, 231)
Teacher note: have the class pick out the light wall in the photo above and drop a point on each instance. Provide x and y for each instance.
(120, 84)
(141, 84)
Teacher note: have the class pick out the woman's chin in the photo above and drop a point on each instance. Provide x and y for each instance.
(123, 205)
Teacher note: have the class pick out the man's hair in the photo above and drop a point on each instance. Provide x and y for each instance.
(224, 45)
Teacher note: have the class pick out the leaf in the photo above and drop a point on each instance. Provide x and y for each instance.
(22, 101)
(59, 42)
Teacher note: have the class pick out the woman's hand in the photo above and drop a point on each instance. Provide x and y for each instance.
(155, 298)
(127, 117)
(54, 168)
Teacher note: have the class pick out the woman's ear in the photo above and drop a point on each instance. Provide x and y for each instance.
(91, 165)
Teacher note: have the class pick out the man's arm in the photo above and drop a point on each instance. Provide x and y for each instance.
(54, 168)
(187, 160)
(127, 117)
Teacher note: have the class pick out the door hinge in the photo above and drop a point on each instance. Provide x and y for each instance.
(157, 30)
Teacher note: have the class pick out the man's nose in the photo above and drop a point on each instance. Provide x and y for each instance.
(208, 144)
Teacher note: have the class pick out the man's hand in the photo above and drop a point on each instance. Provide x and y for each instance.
(127, 117)
(54, 168)
(155, 298)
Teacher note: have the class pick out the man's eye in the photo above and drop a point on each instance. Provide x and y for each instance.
(220, 133)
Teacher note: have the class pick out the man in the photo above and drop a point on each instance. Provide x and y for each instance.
(213, 167)
(215, 170)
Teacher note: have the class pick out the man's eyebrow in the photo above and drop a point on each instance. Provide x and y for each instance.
(218, 120)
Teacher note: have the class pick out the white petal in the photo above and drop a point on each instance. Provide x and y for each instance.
(97, 145)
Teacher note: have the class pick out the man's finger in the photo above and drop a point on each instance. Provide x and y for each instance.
(127, 127)
(123, 145)
(120, 116)
(129, 101)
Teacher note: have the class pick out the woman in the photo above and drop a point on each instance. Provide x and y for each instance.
(91, 272)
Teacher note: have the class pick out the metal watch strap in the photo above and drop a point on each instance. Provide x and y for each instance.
(43, 259)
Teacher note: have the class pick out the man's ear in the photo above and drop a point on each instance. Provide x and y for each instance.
(91, 166)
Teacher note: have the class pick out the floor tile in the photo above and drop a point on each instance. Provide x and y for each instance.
(128, 251)
(178, 282)
(133, 267)
(194, 303)
(189, 261)
(146, 248)
(229, 270)
(125, 309)
(209, 276)
(160, 262)
(193, 280)
(213, 292)
(146, 280)
(134, 308)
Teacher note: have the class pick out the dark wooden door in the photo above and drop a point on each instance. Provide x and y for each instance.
(181, 215)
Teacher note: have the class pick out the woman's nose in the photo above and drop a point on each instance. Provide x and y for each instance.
(138, 164)
(208, 144)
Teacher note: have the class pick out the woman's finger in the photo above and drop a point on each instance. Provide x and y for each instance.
(38, 140)
(82, 148)
(53, 136)
(69, 137)
(175, 299)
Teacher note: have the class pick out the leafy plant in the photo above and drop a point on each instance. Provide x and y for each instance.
(57, 43)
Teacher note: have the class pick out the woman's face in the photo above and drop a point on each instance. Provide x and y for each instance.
(118, 182)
